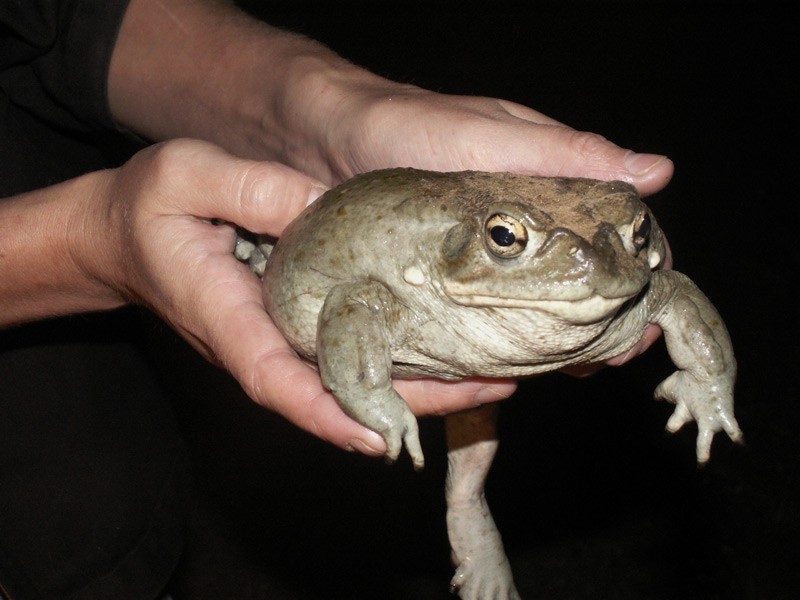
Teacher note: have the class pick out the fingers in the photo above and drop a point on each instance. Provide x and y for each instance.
(210, 183)
(250, 347)
(200, 180)
(258, 356)
(706, 427)
(649, 337)
(703, 445)
(731, 427)
(528, 114)
(564, 151)
(557, 150)
(582, 154)
(439, 397)
(183, 267)
(447, 133)
(680, 417)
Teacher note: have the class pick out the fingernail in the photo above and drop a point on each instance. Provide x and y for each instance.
(316, 192)
(638, 164)
(365, 447)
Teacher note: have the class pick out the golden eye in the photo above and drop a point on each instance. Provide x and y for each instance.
(506, 236)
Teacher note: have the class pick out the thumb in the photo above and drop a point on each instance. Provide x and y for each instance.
(262, 197)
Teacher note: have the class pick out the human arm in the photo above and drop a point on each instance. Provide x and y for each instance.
(40, 275)
(203, 69)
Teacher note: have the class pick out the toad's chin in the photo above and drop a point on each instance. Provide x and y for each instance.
(580, 312)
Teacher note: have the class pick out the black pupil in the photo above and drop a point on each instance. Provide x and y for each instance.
(503, 236)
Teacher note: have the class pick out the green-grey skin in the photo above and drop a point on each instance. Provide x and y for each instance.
(408, 273)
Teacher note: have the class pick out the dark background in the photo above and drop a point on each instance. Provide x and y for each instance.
(594, 500)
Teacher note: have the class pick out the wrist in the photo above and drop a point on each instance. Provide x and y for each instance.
(327, 109)
(94, 239)
(46, 268)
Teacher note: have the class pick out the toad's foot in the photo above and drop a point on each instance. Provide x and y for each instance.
(699, 345)
(392, 418)
(484, 577)
(387, 414)
(709, 403)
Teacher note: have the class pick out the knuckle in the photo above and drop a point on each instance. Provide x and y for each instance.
(258, 188)
(588, 145)
(166, 159)
(266, 192)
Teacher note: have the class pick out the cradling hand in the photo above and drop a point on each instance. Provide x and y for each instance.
(157, 230)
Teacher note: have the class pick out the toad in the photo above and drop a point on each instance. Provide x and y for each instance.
(409, 273)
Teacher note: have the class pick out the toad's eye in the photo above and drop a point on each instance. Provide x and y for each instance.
(641, 231)
(507, 237)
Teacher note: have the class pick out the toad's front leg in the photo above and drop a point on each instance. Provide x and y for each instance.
(699, 345)
(482, 568)
(355, 363)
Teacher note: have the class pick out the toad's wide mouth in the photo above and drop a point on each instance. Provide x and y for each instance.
(579, 311)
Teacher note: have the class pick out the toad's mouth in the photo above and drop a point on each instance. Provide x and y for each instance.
(579, 311)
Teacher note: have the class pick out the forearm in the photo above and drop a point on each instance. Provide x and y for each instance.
(43, 271)
(204, 69)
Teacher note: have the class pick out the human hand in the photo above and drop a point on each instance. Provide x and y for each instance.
(148, 232)
(373, 123)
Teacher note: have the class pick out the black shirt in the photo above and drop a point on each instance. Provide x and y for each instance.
(92, 469)
(54, 116)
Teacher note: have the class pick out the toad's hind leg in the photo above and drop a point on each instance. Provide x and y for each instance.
(482, 568)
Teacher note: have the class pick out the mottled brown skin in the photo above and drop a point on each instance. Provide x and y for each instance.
(407, 273)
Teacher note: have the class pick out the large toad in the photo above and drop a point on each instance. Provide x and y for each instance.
(407, 273)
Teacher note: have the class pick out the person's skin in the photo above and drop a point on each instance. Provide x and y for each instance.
(281, 118)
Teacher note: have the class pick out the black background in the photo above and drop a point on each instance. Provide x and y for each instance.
(593, 499)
